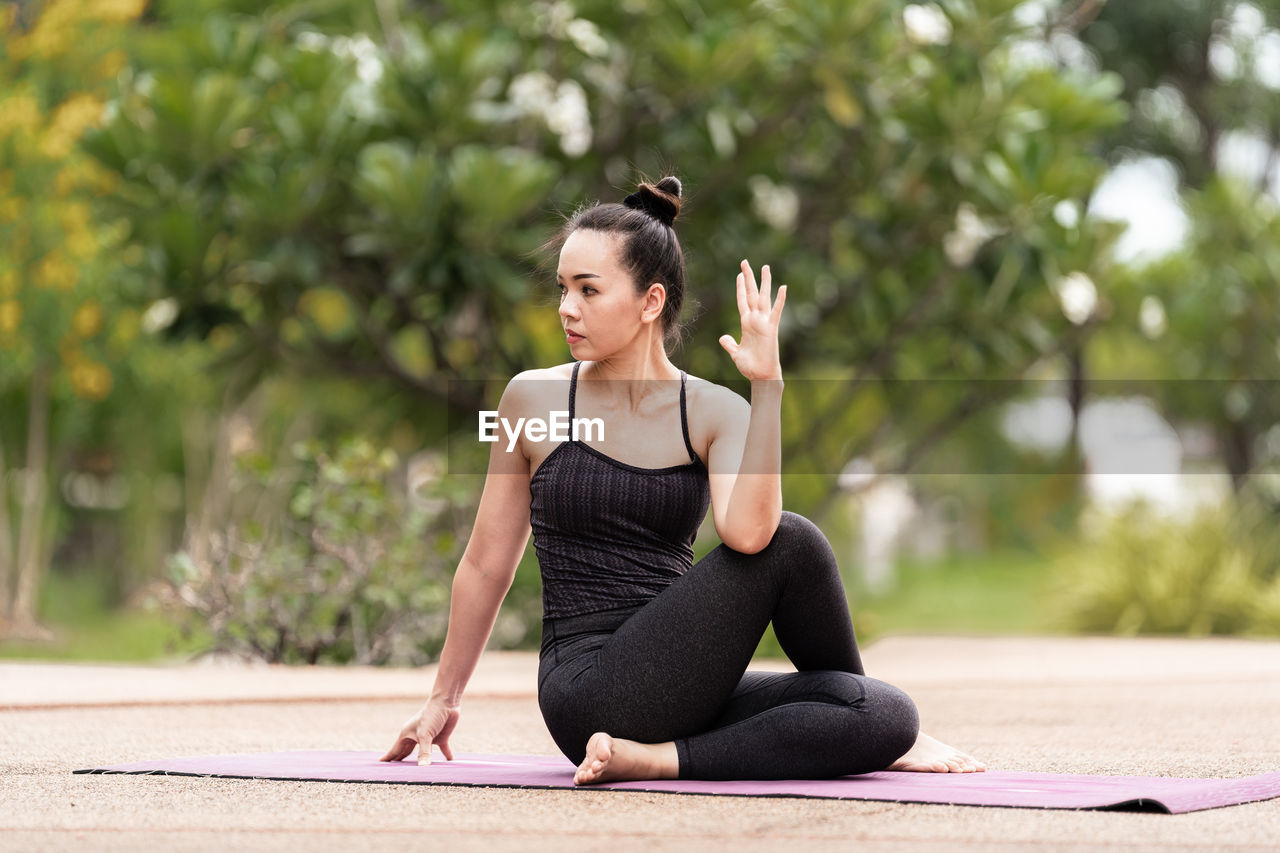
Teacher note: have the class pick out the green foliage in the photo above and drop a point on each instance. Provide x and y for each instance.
(408, 162)
(1218, 306)
(353, 571)
(1195, 74)
(1217, 573)
(343, 188)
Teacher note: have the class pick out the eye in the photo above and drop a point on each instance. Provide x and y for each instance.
(585, 289)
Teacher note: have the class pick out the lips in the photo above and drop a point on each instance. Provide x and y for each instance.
(572, 337)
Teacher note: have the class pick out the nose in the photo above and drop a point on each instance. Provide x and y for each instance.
(568, 307)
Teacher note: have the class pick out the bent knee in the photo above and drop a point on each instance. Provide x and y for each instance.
(796, 531)
(897, 717)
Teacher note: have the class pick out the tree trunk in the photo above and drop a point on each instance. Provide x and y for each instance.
(33, 503)
(6, 546)
(215, 464)
(1075, 398)
(1237, 447)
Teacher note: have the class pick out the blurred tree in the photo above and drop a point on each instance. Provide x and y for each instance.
(1202, 78)
(1212, 312)
(62, 324)
(356, 188)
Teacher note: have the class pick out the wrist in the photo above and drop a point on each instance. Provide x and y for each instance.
(770, 385)
(449, 700)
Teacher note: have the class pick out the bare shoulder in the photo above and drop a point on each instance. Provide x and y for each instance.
(536, 389)
(713, 408)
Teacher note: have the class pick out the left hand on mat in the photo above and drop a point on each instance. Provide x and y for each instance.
(432, 724)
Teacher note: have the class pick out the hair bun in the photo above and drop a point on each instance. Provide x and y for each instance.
(660, 200)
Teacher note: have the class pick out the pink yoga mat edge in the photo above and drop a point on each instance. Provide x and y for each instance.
(993, 788)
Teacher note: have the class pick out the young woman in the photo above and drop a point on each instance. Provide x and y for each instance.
(643, 665)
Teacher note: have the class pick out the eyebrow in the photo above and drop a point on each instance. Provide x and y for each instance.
(580, 275)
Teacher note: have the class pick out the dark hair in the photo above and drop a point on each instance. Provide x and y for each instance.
(648, 245)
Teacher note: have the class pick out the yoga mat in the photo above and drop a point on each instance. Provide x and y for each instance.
(989, 788)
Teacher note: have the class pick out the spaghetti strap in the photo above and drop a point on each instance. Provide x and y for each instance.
(684, 422)
(573, 386)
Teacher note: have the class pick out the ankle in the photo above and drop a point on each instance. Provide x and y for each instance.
(666, 760)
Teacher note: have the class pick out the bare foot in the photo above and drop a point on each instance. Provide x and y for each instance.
(930, 755)
(611, 759)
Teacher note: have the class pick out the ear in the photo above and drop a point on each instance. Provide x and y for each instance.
(655, 298)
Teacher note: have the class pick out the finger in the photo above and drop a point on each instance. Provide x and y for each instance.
(404, 748)
(399, 750)
(776, 314)
(753, 294)
(742, 296)
(766, 278)
(443, 743)
(424, 755)
(729, 344)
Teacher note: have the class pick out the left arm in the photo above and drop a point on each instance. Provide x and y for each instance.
(747, 505)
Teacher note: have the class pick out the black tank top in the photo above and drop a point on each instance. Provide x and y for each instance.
(608, 534)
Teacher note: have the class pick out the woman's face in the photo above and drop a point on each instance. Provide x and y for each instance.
(599, 307)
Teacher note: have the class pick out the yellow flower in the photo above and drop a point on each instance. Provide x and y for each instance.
(124, 331)
(10, 316)
(74, 216)
(86, 174)
(81, 244)
(10, 209)
(54, 30)
(18, 112)
(110, 64)
(91, 380)
(66, 180)
(69, 122)
(116, 10)
(328, 308)
(56, 273)
(87, 320)
(56, 144)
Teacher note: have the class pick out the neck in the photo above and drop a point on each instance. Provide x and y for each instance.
(632, 372)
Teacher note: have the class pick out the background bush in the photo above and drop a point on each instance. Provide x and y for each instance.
(1214, 573)
(353, 570)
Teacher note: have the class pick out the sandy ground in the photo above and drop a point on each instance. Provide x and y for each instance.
(1160, 707)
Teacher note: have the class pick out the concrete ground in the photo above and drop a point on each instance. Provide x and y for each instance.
(1159, 707)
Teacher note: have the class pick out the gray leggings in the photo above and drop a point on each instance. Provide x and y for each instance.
(673, 669)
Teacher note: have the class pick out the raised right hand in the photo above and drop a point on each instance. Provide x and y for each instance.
(756, 356)
(432, 724)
